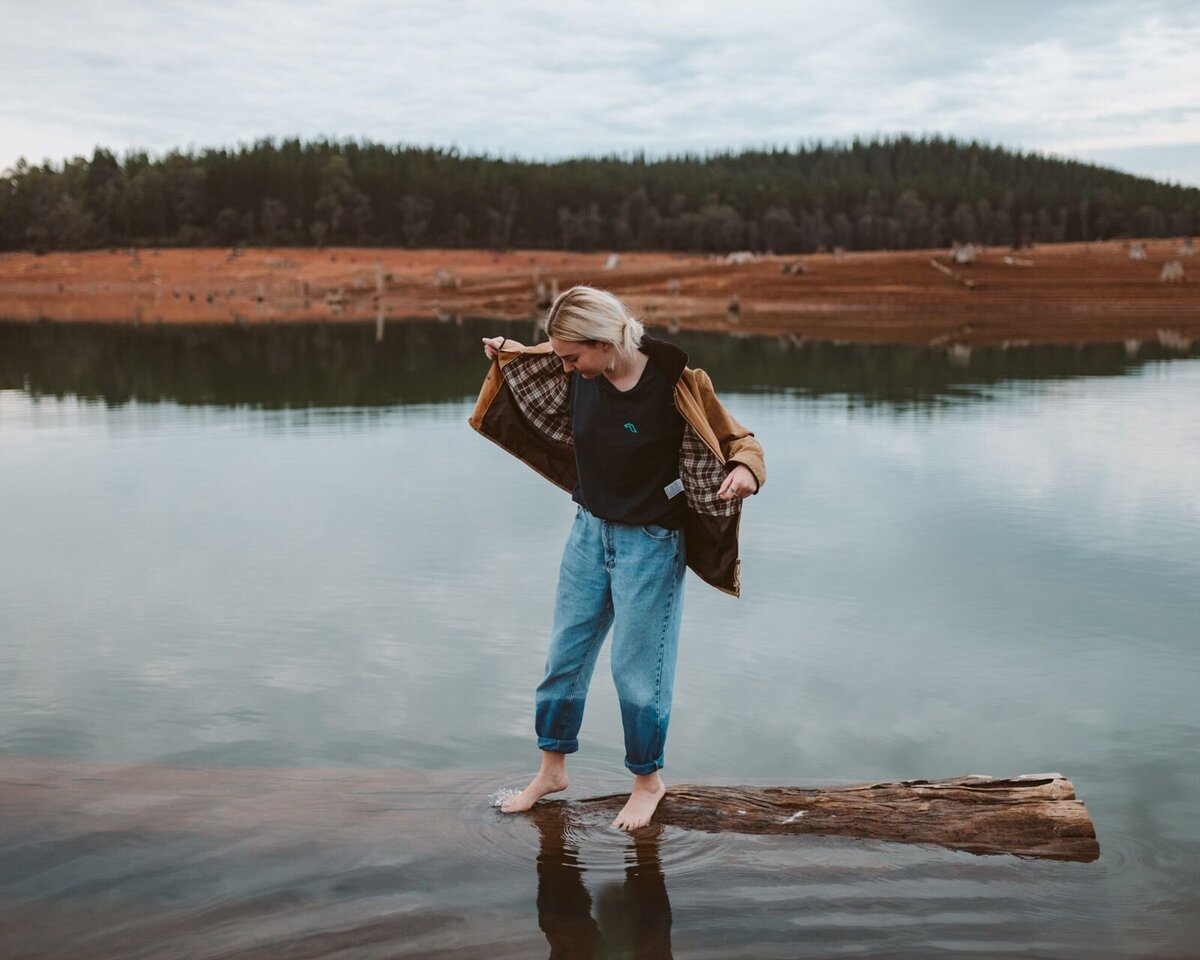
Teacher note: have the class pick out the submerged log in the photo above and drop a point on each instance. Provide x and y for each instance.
(1033, 815)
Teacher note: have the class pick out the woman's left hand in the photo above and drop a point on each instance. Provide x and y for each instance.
(738, 483)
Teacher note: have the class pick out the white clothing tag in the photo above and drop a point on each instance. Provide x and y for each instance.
(674, 488)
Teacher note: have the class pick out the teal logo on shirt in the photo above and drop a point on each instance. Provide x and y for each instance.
(631, 428)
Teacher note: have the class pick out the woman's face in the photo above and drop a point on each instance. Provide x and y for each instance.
(589, 358)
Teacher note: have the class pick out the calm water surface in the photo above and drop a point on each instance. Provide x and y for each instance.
(271, 616)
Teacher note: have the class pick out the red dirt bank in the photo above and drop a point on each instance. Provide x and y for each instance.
(1075, 293)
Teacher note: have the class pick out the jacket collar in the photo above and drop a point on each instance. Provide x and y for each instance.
(668, 358)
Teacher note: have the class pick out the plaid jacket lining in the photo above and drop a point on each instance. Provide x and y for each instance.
(543, 394)
(702, 475)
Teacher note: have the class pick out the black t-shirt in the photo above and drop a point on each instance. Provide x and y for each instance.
(627, 449)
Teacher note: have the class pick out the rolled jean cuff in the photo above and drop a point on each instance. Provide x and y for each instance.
(557, 746)
(641, 769)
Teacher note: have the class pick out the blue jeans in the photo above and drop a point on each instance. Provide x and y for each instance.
(630, 578)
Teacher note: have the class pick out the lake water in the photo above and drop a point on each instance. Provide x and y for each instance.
(271, 616)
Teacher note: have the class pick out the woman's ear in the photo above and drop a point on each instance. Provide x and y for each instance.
(610, 355)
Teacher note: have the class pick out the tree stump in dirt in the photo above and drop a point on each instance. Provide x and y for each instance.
(1033, 815)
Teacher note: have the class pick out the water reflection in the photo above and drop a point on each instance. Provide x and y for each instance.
(232, 605)
(633, 918)
(420, 361)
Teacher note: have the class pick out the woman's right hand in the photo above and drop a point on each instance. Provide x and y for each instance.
(492, 345)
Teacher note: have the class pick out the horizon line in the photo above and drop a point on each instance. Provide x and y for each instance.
(629, 155)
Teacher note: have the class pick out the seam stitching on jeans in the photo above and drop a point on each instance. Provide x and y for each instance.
(662, 645)
(587, 656)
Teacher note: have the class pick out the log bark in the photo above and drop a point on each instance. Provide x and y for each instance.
(1033, 815)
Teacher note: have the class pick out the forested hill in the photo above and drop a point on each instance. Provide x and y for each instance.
(892, 193)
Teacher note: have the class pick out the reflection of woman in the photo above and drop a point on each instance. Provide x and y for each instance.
(634, 918)
(658, 469)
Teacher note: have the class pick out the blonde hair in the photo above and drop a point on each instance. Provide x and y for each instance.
(585, 314)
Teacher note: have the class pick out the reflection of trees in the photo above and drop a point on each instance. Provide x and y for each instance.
(270, 365)
(421, 361)
(897, 374)
(634, 917)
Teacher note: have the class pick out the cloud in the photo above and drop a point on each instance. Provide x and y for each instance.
(543, 79)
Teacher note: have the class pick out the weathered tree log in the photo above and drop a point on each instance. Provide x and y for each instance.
(952, 274)
(1033, 815)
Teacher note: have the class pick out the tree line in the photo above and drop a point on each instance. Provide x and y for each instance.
(889, 193)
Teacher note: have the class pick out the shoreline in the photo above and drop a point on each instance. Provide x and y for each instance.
(1062, 293)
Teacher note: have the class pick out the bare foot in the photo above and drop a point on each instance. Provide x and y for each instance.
(547, 781)
(643, 801)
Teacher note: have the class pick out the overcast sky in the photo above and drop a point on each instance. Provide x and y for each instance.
(1113, 82)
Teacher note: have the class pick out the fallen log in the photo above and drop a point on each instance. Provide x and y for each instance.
(952, 274)
(1033, 815)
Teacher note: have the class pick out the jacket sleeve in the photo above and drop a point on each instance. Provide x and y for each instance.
(511, 346)
(510, 349)
(738, 444)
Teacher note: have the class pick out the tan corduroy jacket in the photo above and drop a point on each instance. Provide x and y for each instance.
(524, 406)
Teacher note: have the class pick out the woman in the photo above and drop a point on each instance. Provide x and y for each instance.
(658, 469)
